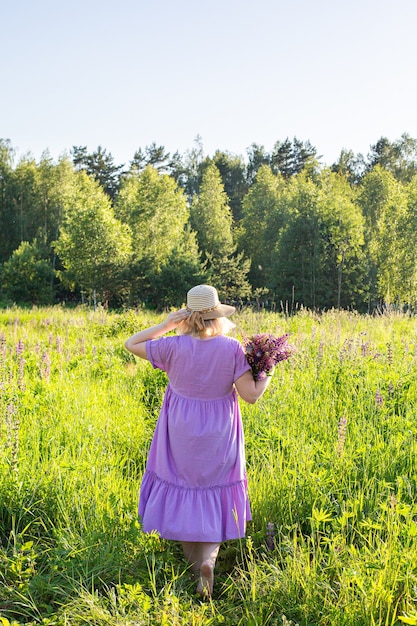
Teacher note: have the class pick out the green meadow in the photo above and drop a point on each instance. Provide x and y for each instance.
(331, 458)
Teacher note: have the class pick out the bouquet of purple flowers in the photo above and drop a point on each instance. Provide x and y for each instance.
(264, 351)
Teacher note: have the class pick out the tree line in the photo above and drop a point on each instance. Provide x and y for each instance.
(277, 227)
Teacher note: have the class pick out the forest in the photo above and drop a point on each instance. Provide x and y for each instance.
(279, 228)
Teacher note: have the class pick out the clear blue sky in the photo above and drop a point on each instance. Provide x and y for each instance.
(125, 74)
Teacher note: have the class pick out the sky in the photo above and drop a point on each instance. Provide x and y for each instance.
(126, 74)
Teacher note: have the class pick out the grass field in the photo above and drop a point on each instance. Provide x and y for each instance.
(331, 456)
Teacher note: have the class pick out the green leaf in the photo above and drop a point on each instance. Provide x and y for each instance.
(409, 619)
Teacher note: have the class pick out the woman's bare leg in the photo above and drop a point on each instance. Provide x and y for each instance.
(208, 553)
(202, 558)
(191, 553)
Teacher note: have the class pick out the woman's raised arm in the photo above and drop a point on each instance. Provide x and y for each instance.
(137, 343)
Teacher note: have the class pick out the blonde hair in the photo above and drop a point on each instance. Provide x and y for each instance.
(213, 328)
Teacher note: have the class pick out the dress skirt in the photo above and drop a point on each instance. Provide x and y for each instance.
(195, 487)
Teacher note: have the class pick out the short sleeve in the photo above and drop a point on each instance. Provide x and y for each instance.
(158, 352)
(241, 363)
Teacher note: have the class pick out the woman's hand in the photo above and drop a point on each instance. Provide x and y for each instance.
(175, 318)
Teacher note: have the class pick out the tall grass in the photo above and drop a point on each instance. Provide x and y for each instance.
(331, 456)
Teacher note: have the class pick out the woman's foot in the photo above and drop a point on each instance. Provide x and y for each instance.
(205, 584)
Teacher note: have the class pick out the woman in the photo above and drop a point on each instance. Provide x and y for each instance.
(194, 489)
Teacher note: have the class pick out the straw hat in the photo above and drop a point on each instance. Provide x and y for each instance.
(203, 299)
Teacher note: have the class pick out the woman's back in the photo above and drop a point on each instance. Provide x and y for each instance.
(203, 369)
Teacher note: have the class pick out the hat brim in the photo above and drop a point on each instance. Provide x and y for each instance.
(221, 310)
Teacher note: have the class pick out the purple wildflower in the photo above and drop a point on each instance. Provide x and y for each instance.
(345, 349)
(378, 398)
(21, 374)
(19, 347)
(3, 347)
(45, 365)
(270, 536)
(59, 344)
(264, 351)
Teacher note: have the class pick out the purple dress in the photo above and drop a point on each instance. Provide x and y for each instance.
(195, 487)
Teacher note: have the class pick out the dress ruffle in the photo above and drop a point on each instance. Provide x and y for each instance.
(216, 513)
